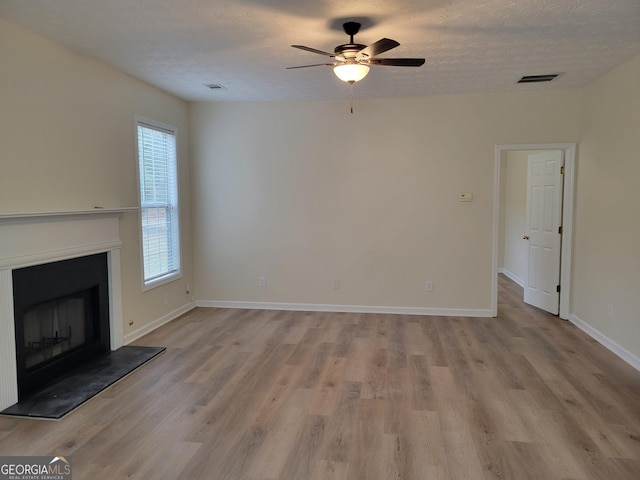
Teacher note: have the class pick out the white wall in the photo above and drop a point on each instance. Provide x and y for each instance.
(67, 143)
(514, 250)
(304, 193)
(607, 220)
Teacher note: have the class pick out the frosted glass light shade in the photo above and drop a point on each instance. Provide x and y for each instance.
(351, 72)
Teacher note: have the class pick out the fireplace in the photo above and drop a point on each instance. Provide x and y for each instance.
(38, 239)
(61, 315)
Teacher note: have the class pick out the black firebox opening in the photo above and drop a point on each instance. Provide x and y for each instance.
(61, 314)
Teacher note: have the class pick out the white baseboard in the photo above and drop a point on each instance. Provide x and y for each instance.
(310, 307)
(512, 276)
(621, 352)
(150, 327)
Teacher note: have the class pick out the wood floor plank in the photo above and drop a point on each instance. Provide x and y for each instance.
(366, 461)
(341, 427)
(305, 453)
(356, 368)
(508, 421)
(548, 437)
(428, 456)
(283, 395)
(414, 338)
(445, 391)
(325, 393)
(329, 470)
(373, 386)
(397, 401)
(432, 330)
(422, 397)
(518, 459)
(486, 439)
(579, 409)
(462, 456)
(281, 438)
(396, 457)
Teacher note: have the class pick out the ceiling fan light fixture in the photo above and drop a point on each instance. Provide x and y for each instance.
(351, 72)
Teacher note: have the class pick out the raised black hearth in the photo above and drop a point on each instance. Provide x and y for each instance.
(61, 314)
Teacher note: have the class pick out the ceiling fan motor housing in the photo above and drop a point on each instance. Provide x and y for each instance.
(348, 50)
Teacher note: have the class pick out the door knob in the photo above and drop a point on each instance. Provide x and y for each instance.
(525, 237)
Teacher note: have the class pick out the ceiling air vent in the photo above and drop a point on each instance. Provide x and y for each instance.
(538, 78)
(215, 86)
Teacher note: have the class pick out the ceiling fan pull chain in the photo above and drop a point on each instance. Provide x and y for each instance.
(351, 97)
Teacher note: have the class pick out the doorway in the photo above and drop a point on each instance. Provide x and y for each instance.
(502, 154)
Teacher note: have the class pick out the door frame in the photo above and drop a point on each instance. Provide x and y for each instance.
(568, 196)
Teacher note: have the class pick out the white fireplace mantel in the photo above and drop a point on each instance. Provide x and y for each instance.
(8, 216)
(39, 237)
(35, 238)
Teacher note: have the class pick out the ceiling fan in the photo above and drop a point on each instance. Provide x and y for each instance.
(352, 60)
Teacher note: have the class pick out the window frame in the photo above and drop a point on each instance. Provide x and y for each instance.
(170, 276)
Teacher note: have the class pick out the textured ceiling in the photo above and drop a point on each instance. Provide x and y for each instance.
(470, 46)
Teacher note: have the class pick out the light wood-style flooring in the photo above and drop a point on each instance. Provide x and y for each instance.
(247, 394)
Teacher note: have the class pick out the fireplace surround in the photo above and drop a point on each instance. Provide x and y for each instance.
(29, 239)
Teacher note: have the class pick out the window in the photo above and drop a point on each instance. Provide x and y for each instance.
(157, 172)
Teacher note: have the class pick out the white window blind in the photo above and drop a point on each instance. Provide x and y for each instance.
(157, 166)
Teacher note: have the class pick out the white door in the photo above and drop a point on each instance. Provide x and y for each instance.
(543, 222)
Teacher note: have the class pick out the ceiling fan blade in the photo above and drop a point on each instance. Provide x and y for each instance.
(314, 65)
(377, 48)
(397, 62)
(313, 50)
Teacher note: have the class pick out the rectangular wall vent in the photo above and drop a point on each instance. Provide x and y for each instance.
(538, 78)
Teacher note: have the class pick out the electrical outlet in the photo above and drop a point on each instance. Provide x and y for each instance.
(610, 311)
(187, 288)
(335, 284)
(428, 286)
(262, 282)
(165, 298)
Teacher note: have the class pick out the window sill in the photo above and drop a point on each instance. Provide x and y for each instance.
(172, 277)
